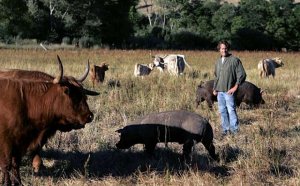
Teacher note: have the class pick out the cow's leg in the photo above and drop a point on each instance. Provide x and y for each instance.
(261, 74)
(5, 163)
(273, 74)
(5, 180)
(16, 179)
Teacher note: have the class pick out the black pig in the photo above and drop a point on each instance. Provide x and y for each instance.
(180, 126)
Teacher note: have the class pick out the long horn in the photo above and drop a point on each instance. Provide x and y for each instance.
(90, 92)
(58, 78)
(86, 73)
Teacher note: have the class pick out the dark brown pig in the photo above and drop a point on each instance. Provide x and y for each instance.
(180, 126)
(205, 92)
(247, 93)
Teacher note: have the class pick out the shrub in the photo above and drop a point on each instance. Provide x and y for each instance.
(86, 42)
(66, 41)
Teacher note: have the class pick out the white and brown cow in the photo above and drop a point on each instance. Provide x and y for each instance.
(143, 69)
(173, 63)
(267, 67)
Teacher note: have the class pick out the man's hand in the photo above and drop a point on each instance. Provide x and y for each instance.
(215, 93)
(232, 90)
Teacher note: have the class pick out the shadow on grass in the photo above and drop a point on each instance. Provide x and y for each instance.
(123, 163)
(293, 132)
(230, 154)
(247, 121)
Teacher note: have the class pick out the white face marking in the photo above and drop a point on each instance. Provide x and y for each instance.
(156, 61)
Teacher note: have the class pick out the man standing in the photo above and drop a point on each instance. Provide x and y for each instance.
(229, 74)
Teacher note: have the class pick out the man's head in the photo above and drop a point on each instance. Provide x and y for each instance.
(223, 47)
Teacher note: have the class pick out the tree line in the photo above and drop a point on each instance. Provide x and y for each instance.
(160, 24)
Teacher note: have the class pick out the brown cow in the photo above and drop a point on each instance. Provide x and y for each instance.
(97, 73)
(37, 75)
(32, 109)
(40, 76)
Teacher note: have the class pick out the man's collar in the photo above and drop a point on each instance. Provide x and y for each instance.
(228, 55)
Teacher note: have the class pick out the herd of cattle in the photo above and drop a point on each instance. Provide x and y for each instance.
(34, 105)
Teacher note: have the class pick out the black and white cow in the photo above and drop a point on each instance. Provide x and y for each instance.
(173, 63)
(143, 69)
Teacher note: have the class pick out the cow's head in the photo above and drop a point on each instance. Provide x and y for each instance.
(69, 100)
(158, 61)
(104, 66)
(278, 61)
(151, 66)
(98, 72)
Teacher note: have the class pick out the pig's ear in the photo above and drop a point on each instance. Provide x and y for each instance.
(201, 83)
(119, 130)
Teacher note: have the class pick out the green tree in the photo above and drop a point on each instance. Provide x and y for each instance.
(278, 25)
(293, 39)
(47, 19)
(222, 22)
(14, 19)
(254, 14)
(248, 27)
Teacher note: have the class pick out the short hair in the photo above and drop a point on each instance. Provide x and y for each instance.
(224, 43)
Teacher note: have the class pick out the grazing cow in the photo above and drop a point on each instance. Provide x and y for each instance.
(247, 93)
(180, 126)
(173, 63)
(97, 73)
(267, 67)
(142, 69)
(32, 109)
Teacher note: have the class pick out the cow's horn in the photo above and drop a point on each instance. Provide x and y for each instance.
(86, 73)
(58, 78)
(90, 92)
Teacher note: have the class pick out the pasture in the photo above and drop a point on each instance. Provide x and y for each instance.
(265, 152)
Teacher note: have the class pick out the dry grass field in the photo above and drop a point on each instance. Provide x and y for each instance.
(265, 152)
(237, 1)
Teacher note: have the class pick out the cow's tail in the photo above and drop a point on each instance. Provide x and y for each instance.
(265, 67)
(185, 61)
(136, 70)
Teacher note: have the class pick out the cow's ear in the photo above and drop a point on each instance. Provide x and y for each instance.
(261, 91)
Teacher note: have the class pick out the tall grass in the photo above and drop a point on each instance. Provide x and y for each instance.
(266, 151)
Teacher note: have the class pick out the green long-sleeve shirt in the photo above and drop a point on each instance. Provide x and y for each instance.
(229, 73)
